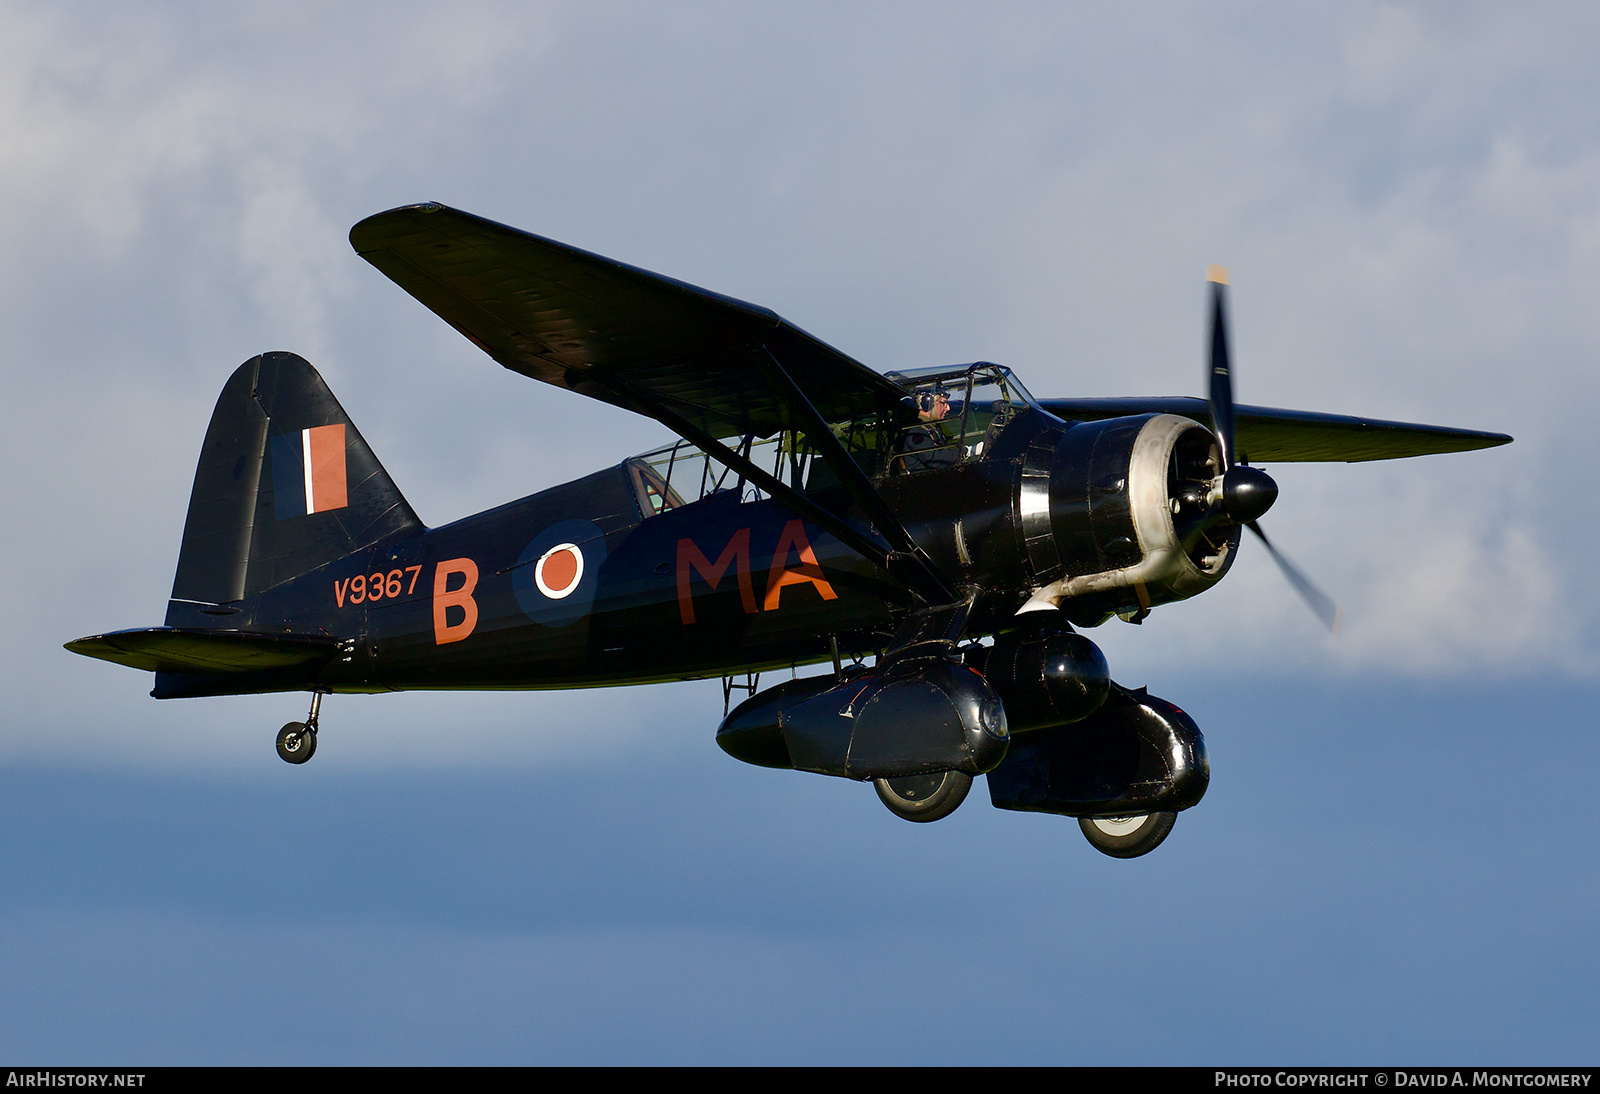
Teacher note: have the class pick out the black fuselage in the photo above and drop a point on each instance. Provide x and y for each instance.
(695, 591)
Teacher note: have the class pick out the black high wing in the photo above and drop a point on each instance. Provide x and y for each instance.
(1269, 435)
(651, 344)
(609, 330)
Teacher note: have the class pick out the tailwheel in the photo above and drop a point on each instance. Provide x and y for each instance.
(924, 797)
(1127, 837)
(297, 742)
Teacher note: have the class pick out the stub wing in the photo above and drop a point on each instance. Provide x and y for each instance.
(609, 330)
(1269, 435)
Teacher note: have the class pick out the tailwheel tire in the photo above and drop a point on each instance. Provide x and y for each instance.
(1127, 837)
(924, 797)
(296, 743)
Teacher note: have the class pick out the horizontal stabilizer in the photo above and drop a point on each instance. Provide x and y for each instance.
(182, 649)
(1268, 435)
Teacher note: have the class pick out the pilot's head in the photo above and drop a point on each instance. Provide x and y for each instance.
(932, 405)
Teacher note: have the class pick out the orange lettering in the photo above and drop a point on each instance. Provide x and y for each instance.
(807, 573)
(738, 548)
(445, 598)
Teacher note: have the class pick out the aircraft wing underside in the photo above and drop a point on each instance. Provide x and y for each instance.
(1268, 435)
(609, 330)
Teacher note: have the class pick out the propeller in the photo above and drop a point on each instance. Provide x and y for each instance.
(1242, 494)
(1321, 603)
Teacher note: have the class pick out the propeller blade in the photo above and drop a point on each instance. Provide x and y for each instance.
(1221, 379)
(1321, 603)
(1241, 493)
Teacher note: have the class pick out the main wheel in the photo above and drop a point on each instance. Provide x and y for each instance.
(296, 743)
(1127, 837)
(924, 797)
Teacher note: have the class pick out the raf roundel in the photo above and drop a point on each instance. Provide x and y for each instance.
(559, 570)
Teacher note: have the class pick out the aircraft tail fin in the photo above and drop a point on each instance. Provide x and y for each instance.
(284, 485)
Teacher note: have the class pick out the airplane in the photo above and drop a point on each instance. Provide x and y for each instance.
(937, 539)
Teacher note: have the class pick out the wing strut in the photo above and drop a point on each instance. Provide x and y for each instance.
(902, 567)
(873, 551)
(908, 563)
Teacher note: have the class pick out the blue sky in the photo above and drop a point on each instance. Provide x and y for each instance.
(1397, 859)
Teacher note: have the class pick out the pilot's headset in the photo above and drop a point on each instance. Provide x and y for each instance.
(926, 400)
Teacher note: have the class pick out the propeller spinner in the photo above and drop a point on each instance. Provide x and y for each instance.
(1241, 494)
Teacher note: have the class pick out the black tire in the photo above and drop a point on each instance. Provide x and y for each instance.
(924, 798)
(1127, 837)
(296, 744)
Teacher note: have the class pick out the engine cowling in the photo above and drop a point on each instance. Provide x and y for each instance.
(1113, 515)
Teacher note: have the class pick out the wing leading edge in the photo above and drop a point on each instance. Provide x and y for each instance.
(609, 330)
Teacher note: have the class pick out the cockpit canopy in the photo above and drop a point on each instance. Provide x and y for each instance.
(953, 414)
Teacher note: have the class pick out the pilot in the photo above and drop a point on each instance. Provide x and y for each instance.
(925, 445)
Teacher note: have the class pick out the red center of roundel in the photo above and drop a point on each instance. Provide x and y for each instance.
(558, 571)
(560, 568)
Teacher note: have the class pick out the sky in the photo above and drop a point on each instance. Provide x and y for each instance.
(1399, 856)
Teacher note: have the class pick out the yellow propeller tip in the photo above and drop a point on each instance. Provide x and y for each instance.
(1217, 274)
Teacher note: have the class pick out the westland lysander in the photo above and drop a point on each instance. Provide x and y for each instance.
(937, 538)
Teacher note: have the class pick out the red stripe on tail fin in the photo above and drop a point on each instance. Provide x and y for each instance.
(326, 445)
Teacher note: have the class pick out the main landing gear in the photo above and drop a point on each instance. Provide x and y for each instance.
(924, 797)
(1127, 837)
(297, 741)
